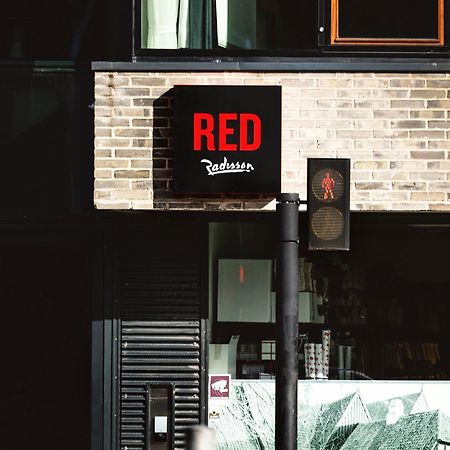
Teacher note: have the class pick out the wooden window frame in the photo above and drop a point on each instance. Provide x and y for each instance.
(336, 39)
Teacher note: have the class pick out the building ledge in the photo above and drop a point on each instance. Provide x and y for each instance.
(315, 64)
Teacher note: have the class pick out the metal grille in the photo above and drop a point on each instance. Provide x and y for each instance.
(160, 332)
(327, 223)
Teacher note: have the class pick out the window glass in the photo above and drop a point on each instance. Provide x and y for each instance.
(228, 24)
(403, 21)
(237, 27)
(81, 30)
(418, 22)
(379, 311)
(46, 141)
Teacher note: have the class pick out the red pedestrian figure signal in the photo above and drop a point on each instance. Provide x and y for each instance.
(328, 203)
(328, 185)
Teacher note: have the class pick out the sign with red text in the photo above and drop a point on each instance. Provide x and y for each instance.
(227, 139)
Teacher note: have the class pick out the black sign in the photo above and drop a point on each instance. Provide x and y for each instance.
(228, 139)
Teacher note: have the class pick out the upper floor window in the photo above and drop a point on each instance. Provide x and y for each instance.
(231, 25)
(71, 30)
(387, 22)
(236, 27)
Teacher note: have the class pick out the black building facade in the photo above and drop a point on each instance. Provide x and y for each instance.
(114, 279)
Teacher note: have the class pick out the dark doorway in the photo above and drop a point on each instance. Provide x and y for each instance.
(45, 280)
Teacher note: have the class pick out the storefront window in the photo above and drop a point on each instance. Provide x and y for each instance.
(242, 298)
(374, 318)
(338, 415)
(378, 311)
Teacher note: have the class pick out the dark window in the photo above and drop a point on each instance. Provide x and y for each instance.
(384, 300)
(46, 142)
(46, 301)
(65, 30)
(387, 22)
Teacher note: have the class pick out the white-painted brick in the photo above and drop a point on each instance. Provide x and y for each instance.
(395, 128)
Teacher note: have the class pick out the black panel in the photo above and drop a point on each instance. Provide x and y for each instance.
(228, 139)
(401, 19)
(65, 30)
(46, 300)
(160, 327)
(46, 142)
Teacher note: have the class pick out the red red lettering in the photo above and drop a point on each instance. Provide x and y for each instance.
(244, 120)
(203, 126)
(224, 131)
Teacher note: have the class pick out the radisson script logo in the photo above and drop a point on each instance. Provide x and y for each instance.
(226, 167)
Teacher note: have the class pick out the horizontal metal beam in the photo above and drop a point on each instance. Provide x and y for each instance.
(278, 64)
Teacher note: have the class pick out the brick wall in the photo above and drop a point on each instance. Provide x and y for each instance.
(394, 127)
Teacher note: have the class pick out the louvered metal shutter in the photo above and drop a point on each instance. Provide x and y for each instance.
(160, 328)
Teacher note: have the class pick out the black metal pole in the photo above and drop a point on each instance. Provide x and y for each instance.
(287, 324)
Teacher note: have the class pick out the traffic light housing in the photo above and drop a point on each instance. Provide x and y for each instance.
(329, 204)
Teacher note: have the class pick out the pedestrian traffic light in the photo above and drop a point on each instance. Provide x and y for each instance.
(328, 203)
